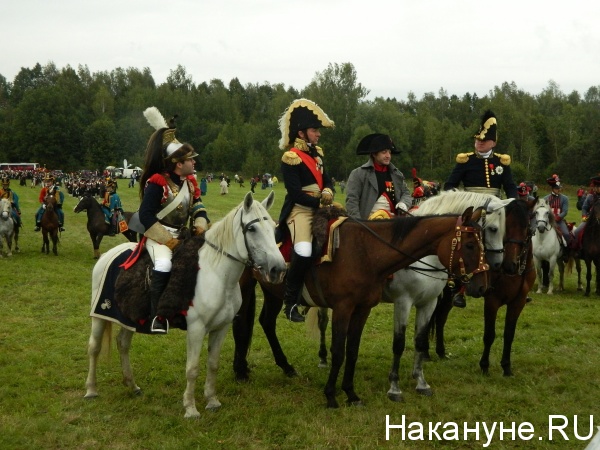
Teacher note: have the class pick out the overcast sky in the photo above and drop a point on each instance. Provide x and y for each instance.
(396, 46)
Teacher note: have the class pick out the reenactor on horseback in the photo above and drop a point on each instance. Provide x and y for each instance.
(559, 206)
(308, 187)
(588, 202)
(50, 189)
(7, 192)
(483, 171)
(170, 199)
(377, 189)
(111, 206)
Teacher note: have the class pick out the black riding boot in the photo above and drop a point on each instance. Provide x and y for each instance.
(158, 283)
(293, 286)
(459, 299)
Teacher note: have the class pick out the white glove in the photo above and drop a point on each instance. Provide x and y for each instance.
(44, 206)
(401, 206)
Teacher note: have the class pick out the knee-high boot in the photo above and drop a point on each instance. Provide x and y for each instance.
(293, 287)
(158, 283)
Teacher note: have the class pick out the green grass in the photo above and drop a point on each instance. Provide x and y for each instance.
(43, 365)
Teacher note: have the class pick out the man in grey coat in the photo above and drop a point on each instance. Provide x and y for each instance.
(377, 188)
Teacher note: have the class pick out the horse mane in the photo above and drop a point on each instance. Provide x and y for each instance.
(520, 210)
(221, 233)
(449, 202)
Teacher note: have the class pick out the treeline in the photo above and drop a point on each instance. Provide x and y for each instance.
(72, 119)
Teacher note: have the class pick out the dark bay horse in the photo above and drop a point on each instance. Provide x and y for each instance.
(510, 287)
(590, 246)
(49, 224)
(96, 225)
(352, 284)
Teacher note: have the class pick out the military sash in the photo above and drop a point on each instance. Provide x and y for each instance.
(310, 162)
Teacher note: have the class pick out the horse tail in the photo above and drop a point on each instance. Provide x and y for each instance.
(106, 347)
(312, 323)
(569, 266)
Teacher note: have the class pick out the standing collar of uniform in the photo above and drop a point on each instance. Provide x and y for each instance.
(484, 155)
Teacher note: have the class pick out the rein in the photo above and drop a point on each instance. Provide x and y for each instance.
(248, 263)
(455, 247)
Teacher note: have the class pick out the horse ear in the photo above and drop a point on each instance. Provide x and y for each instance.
(467, 215)
(268, 202)
(248, 200)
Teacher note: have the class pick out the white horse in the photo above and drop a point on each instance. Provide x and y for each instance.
(546, 243)
(245, 237)
(8, 228)
(420, 284)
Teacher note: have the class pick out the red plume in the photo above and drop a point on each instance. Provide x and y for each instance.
(414, 172)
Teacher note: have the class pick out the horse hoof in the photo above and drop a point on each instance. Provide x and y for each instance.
(427, 392)
(332, 404)
(213, 408)
(397, 398)
(291, 373)
(323, 365)
(90, 396)
(138, 392)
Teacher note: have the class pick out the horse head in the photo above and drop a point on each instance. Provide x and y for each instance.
(82, 204)
(544, 219)
(247, 235)
(5, 208)
(50, 202)
(466, 260)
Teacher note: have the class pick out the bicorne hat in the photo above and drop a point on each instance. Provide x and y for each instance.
(376, 142)
(488, 130)
(554, 181)
(300, 115)
(523, 190)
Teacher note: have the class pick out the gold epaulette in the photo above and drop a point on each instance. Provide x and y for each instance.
(504, 159)
(291, 158)
(319, 150)
(462, 158)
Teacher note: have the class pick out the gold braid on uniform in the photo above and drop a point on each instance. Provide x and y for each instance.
(504, 159)
(292, 158)
(462, 158)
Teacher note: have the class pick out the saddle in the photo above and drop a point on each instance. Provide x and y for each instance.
(325, 232)
(130, 300)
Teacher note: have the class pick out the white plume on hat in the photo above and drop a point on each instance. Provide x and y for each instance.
(157, 121)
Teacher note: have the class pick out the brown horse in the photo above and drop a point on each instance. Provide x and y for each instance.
(96, 225)
(510, 287)
(49, 225)
(369, 251)
(590, 247)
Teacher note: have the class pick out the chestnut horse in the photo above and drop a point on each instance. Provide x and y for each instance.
(96, 225)
(352, 284)
(510, 287)
(49, 224)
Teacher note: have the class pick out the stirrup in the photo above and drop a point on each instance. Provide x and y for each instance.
(292, 314)
(158, 327)
(459, 301)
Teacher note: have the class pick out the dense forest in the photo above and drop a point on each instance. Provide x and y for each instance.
(72, 119)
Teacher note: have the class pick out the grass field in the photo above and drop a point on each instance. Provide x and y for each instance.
(44, 328)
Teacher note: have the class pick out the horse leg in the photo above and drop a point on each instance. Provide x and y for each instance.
(268, 320)
(437, 322)
(551, 266)
(243, 327)
(513, 311)
(339, 332)
(578, 267)
(96, 239)
(398, 345)
(490, 312)
(540, 275)
(195, 338)
(357, 325)
(94, 347)
(588, 276)
(17, 249)
(424, 313)
(124, 345)
(215, 343)
(561, 273)
(45, 242)
(54, 242)
(323, 315)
